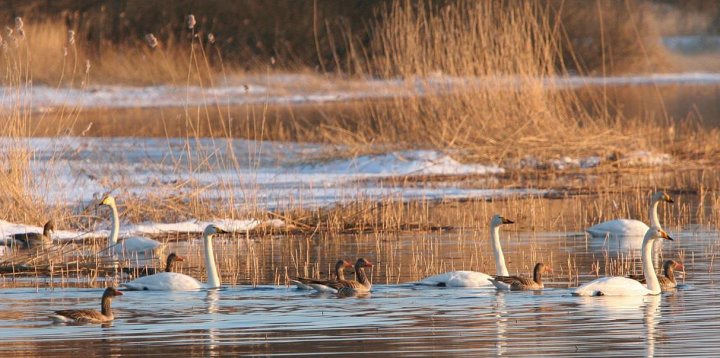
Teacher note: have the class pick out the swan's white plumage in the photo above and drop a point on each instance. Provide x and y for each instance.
(623, 286)
(164, 281)
(135, 245)
(457, 279)
(171, 281)
(612, 286)
(629, 227)
(130, 247)
(472, 278)
(619, 227)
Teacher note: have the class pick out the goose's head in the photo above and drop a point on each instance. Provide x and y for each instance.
(49, 227)
(107, 201)
(213, 229)
(656, 233)
(661, 196)
(361, 262)
(542, 268)
(342, 264)
(672, 264)
(498, 220)
(111, 292)
(174, 257)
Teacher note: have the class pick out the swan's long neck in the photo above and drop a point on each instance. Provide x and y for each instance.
(654, 221)
(115, 230)
(650, 277)
(213, 278)
(501, 269)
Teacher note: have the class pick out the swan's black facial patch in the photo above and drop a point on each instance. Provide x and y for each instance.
(599, 293)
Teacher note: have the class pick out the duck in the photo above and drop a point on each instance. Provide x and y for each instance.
(361, 284)
(146, 271)
(173, 281)
(89, 315)
(623, 286)
(518, 283)
(472, 278)
(34, 240)
(131, 246)
(629, 227)
(303, 283)
(667, 280)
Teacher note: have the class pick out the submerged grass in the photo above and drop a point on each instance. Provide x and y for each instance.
(445, 236)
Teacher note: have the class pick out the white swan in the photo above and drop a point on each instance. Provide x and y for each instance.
(628, 227)
(472, 278)
(172, 281)
(129, 247)
(623, 286)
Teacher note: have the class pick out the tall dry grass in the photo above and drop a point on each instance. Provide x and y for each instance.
(502, 54)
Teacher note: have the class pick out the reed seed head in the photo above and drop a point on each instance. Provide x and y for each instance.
(190, 21)
(18, 23)
(71, 37)
(151, 40)
(211, 38)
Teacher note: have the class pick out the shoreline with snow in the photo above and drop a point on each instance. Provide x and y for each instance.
(269, 175)
(283, 89)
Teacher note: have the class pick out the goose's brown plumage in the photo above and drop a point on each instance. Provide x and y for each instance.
(340, 267)
(147, 271)
(667, 280)
(361, 284)
(518, 283)
(35, 240)
(89, 315)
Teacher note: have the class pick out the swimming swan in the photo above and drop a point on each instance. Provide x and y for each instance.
(623, 286)
(628, 227)
(173, 281)
(472, 278)
(128, 247)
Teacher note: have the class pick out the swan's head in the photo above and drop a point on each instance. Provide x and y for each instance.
(342, 264)
(112, 292)
(661, 196)
(213, 229)
(656, 233)
(361, 262)
(498, 220)
(108, 201)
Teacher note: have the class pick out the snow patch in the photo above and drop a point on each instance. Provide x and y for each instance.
(190, 226)
(421, 162)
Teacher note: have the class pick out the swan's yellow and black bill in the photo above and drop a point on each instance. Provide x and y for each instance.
(665, 235)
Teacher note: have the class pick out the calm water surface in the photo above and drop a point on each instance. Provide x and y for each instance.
(403, 319)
